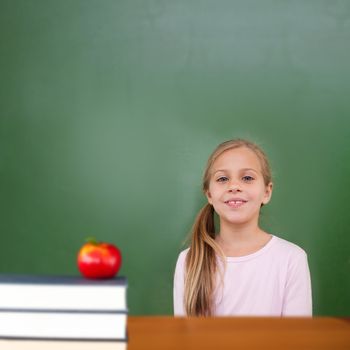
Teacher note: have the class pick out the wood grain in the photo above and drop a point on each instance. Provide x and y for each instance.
(238, 333)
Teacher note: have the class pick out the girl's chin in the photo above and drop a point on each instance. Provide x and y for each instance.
(237, 219)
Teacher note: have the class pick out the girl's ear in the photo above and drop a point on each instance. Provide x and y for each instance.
(208, 195)
(268, 193)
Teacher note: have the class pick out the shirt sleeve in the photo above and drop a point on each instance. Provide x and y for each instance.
(178, 292)
(298, 294)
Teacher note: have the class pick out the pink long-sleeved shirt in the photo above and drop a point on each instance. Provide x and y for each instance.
(273, 281)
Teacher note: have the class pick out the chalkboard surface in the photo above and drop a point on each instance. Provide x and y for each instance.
(109, 110)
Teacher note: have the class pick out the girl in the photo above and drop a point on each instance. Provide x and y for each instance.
(240, 270)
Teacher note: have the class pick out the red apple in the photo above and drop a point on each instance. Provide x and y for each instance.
(99, 260)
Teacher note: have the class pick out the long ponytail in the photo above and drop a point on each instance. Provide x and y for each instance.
(201, 265)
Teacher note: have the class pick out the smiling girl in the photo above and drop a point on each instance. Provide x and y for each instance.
(239, 270)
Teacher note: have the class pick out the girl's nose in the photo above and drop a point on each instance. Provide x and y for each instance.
(233, 187)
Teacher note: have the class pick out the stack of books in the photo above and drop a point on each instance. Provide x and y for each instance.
(75, 310)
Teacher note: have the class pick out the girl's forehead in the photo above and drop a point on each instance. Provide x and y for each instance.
(237, 158)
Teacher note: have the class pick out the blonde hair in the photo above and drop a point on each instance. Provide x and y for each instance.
(201, 264)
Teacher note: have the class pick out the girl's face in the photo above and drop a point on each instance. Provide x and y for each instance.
(236, 186)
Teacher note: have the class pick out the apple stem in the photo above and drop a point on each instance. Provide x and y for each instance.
(91, 240)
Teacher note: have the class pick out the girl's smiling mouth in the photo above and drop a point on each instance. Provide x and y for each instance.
(235, 203)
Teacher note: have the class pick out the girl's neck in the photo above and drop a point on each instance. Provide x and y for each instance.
(241, 237)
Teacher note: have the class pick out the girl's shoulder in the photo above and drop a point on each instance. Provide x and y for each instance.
(180, 263)
(278, 248)
(183, 254)
(286, 247)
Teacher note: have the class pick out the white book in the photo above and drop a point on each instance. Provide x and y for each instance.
(63, 325)
(15, 344)
(62, 293)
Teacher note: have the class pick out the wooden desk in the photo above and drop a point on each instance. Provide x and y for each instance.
(155, 333)
(167, 333)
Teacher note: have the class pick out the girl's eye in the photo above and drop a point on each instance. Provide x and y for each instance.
(222, 179)
(248, 178)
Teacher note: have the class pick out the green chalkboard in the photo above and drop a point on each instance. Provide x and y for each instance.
(109, 110)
